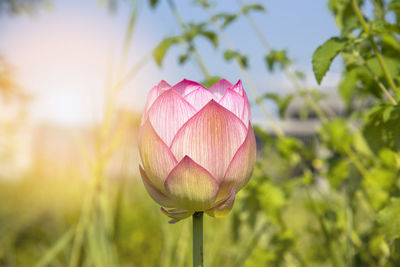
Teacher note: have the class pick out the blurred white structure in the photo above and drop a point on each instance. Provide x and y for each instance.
(305, 128)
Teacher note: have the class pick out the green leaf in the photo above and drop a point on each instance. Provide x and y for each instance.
(391, 41)
(183, 58)
(153, 3)
(282, 102)
(162, 48)
(395, 7)
(336, 135)
(210, 36)
(391, 64)
(272, 200)
(360, 145)
(226, 18)
(389, 220)
(338, 172)
(277, 57)
(324, 55)
(241, 59)
(347, 87)
(257, 7)
(389, 158)
(344, 15)
(382, 128)
(378, 183)
(210, 81)
(204, 3)
(291, 149)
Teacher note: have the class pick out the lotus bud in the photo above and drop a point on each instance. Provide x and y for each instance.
(197, 147)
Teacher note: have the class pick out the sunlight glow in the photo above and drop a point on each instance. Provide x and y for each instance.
(62, 63)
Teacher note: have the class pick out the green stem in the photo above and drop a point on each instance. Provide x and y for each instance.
(374, 46)
(198, 239)
(383, 88)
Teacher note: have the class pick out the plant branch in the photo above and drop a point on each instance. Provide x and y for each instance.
(381, 86)
(256, 95)
(181, 24)
(374, 46)
(291, 77)
(314, 105)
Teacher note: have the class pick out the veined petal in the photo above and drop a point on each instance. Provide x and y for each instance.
(152, 96)
(219, 88)
(238, 88)
(185, 87)
(241, 166)
(223, 207)
(233, 102)
(191, 186)
(211, 138)
(155, 194)
(199, 98)
(156, 157)
(168, 113)
(177, 214)
(246, 114)
(163, 86)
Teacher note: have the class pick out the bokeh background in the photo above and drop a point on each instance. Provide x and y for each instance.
(74, 76)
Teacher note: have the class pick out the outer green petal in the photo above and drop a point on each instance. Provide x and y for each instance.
(155, 194)
(223, 207)
(156, 157)
(177, 214)
(241, 166)
(191, 186)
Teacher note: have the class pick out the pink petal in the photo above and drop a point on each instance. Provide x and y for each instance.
(211, 138)
(238, 88)
(168, 113)
(191, 186)
(177, 214)
(233, 102)
(156, 157)
(246, 114)
(219, 88)
(241, 166)
(223, 207)
(155, 194)
(185, 87)
(199, 98)
(152, 96)
(163, 86)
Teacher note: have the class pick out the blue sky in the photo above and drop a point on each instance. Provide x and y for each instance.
(61, 55)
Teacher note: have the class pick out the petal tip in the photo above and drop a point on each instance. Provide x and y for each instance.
(191, 186)
(223, 207)
(176, 214)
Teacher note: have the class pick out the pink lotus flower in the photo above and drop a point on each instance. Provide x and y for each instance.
(197, 147)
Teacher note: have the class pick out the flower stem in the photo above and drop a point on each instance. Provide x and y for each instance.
(198, 239)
